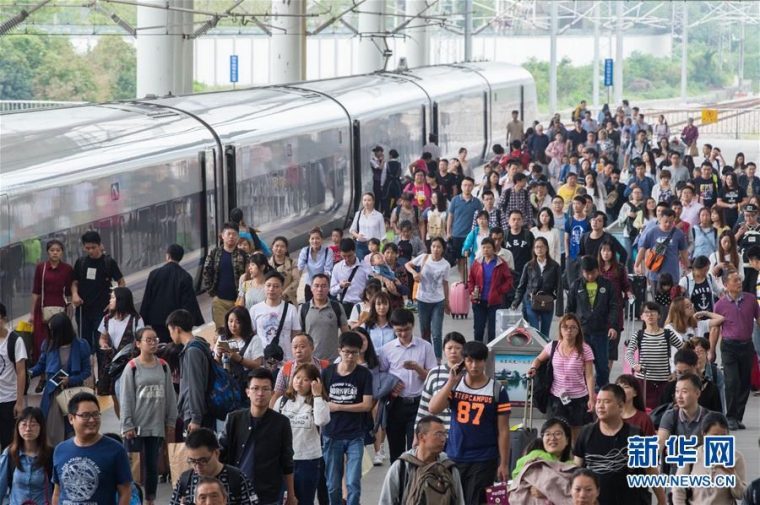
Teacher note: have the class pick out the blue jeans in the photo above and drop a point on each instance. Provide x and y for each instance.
(362, 249)
(484, 316)
(334, 450)
(601, 347)
(628, 245)
(306, 474)
(431, 323)
(542, 321)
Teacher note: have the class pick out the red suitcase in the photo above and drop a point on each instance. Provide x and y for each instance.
(459, 298)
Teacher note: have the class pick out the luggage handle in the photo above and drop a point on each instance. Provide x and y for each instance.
(527, 420)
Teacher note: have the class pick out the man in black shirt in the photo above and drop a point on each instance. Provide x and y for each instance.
(576, 137)
(259, 441)
(615, 192)
(592, 240)
(94, 275)
(602, 447)
(705, 185)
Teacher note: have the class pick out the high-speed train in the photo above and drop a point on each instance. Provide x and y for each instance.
(148, 173)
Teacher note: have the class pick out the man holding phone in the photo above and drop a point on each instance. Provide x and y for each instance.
(409, 358)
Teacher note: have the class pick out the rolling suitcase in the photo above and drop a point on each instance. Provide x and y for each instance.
(524, 433)
(459, 298)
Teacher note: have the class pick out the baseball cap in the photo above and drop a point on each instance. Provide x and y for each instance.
(750, 207)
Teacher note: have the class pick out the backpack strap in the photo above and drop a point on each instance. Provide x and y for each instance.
(183, 486)
(336, 308)
(283, 401)
(12, 338)
(302, 313)
(401, 480)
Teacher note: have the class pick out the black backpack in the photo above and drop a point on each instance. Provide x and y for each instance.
(305, 310)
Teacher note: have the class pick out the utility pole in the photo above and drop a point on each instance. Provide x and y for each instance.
(684, 50)
(553, 58)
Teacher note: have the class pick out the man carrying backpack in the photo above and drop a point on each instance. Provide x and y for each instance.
(424, 474)
(194, 372)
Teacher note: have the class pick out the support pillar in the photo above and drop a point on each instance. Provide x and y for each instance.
(417, 41)
(468, 30)
(595, 65)
(554, 25)
(164, 55)
(154, 50)
(684, 51)
(288, 42)
(371, 22)
(618, 69)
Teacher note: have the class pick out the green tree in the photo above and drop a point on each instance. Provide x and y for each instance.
(115, 64)
(64, 74)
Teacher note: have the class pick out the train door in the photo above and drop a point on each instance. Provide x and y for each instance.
(209, 220)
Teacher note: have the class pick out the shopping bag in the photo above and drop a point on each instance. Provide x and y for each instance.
(177, 461)
(497, 494)
(134, 465)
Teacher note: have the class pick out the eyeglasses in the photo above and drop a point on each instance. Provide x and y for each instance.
(554, 434)
(88, 416)
(259, 389)
(569, 328)
(150, 340)
(348, 352)
(198, 461)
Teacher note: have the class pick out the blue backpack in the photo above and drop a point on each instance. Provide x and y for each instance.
(223, 393)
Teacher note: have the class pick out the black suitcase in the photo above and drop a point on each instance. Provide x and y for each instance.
(639, 288)
(525, 434)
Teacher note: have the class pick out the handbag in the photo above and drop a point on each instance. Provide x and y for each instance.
(542, 381)
(542, 302)
(47, 312)
(63, 398)
(655, 256)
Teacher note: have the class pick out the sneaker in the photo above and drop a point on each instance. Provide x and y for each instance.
(741, 425)
(379, 458)
(733, 425)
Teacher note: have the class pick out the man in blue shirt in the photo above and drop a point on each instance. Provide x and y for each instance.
(640, 180)
(459, 220)
(676, 247)
(575, 227)
(90, 468)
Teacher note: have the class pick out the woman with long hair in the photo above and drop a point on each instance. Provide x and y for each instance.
(714, 424)
(545, 228)
(716, 218)
(661, 130)
(305, 405)
(251, 287)
(149, 407)
(571, 396)
(28, 461)
(596, 191)
(725, 259)
(739, 164)
(50, 292)
(610, 269)
(117, 330)
(490, 182)
(434, 218)
(236, 347)
(63, 351)
(686, 323)
(540, 276)
(433, 292)
(283, 263)
(634, 410)
(378, 322)
(650, 211)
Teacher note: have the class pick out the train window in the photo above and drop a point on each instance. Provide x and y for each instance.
(294, 183)
(136, 239)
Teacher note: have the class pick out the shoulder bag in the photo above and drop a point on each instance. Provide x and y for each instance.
(273, 348)
(655, 256)
(542, 381)
(47, 312)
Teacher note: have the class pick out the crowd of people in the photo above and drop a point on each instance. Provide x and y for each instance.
(319, 359)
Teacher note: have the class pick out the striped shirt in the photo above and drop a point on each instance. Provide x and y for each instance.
(654, 353)
(436, 379)
(569, 371)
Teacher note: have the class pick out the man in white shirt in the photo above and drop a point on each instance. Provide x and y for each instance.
(691, 207)
(270, 322)
(349, 277)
